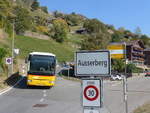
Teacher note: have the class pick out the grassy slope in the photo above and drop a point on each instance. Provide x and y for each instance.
(2, 79)
(64, 52)
(143, 109)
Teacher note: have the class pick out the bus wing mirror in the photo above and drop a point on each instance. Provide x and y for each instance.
(26, 60)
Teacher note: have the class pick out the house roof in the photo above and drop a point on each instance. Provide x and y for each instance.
(136, 43)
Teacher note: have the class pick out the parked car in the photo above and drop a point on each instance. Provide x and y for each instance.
(116, 77)
(147, 74)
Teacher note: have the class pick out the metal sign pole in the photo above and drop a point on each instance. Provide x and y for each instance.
(102, 97)
(8, 71)
(125, 83)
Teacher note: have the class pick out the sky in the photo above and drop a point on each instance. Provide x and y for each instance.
(129, 14)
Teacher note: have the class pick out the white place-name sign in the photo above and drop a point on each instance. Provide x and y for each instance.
(92, 63)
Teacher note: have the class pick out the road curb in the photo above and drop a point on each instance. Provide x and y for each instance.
(71, 78)
(134, 77)
(10, 87)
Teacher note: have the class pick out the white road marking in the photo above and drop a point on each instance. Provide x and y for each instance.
(42, 99)
(44, 95)
(6, 90)
(114, 84)
(71, 84)
(118, 83)
(44, 91)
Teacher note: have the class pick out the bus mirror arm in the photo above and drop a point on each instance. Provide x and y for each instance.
(26, 60)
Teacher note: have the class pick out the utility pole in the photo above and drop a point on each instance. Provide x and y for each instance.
(12, 45)
(13, 38)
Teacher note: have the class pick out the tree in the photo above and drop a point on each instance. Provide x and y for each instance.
(73, 19)
(117, 37)
(146, 40)
(95, 41)
(121, 29)
(131, 68)
(94, 26)
(44, 9)
(5, 9)
(60, 28)
(35, 5)
(110, 27)
(97, 37)
(58, 14)
(138, 32)
(42, 29)
(23, 20)
(5, 15)
(3, 53)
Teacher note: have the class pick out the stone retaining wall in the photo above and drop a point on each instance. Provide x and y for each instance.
(36, 35)
(2, 34)
(138, 74)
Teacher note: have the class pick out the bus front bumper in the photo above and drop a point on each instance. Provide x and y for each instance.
(40, 83)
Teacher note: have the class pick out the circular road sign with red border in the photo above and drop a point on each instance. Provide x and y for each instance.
(92, 91)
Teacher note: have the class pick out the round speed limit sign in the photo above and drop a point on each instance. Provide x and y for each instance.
(91, 92)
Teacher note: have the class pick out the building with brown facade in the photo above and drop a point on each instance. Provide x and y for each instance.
(147, 57)
(135, 52)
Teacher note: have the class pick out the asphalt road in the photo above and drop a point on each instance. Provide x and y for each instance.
(138, 94)
(65, 97)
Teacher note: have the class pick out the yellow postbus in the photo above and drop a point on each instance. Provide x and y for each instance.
(41, 68)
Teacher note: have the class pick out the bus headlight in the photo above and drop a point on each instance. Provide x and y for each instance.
(29, 80)
(52, 82)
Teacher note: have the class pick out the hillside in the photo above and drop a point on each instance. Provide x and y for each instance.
(66, 32)
(36, 29)
(64, 52)
(26, 45)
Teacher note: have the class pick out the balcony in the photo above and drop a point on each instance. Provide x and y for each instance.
(138, 54)
(137, 49)
(141, 54)
(140, 59)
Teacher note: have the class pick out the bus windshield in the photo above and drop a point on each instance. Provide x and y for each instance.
(42, 65)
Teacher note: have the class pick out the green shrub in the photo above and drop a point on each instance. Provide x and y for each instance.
(60, 29)
(3, 53)
(131, 68)
(118, 65)
(143, 109)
